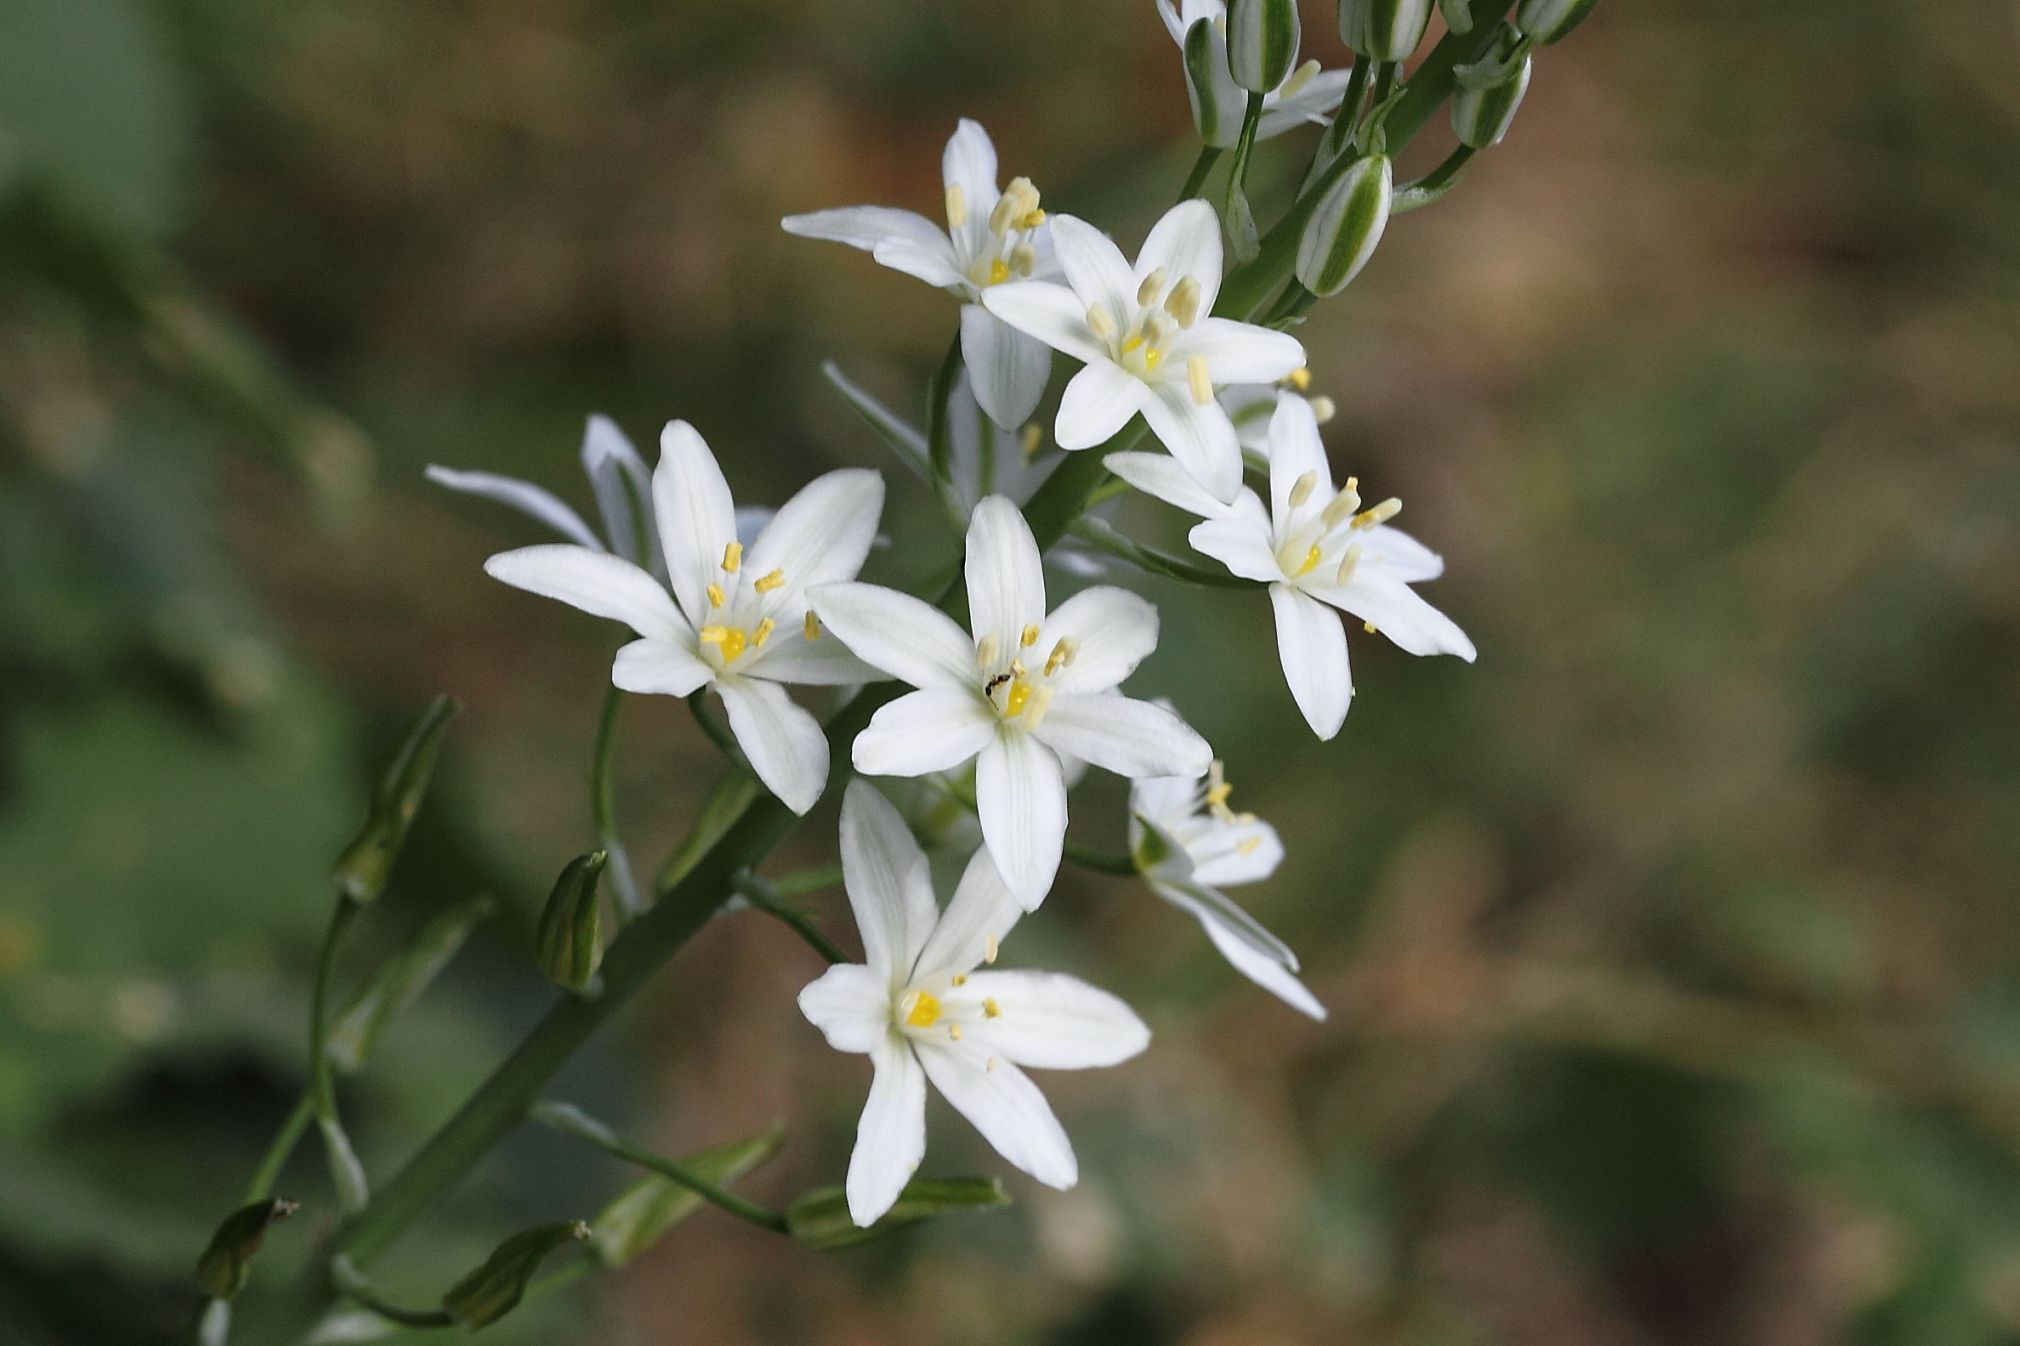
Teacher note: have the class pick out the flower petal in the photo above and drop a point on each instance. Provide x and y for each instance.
(1398, 612)
(1159, 475)
(969, 162)
(1128, 737)
(981, 913)
(1002, 1103)
(535, 502)
(820, 535)
(1020, 797)
(900, 239)
(784, 744)
(1186, 242)
(696, 517)
(1240, 539)
(907, 638)
(1112, 631)
(1007, 368)
(1202, 438)
(1400, 555)
(1295, 451)
(1052, 313)
(1098, 402)
(660, 667)
(1237, 352)
(596, 582)
(936, 729)
(1264, 971)
(1238, 852)
(851, 1005)
(1006, 579)
(623, 487)
(1096, 268)
(885, 874)
(1216, 910)
(1313, 649)
(823, 661)
(1050, 1021)
(891, 1138)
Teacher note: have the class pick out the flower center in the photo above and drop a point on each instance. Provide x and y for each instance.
(1016, 690)
(1006, 253)
(921, 1009)
(1328, 539)
(744, 623)
(1161, 312)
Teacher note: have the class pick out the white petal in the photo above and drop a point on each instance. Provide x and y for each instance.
(696, 517)
(1400, 554)
(533, 501)
(1020, 796)
(596, 582)
(1237, 352)
(1050, 1021)
(1249, 406)
(1400, 613)
(933, 263)
(1128, 737)
(1201, 437)
(1112, 631)
(659, 667)
(981, 913)
(922, 732)
(1265, 972)
(1007, 369)
(1313, 649)
(1186, 242)
(1241, 852)
(1163, 799)
(1241, 539)
(623, 487)
(1313, 102)
(1217, 911)
(1098, 402)
(1052, 313)
(751, 522)
(906, 637)
(891, 1138)
(1159, 475)
(1005, 1106)
(851, 1005)
(969, 162)
(823, 661)
(1095, 268)
(1295, 450)
(1006, 579)
(784, 744)
(900, 239)
(885, 874)
(820, 535)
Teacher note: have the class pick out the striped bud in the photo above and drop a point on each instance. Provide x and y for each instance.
(569, 941)
(1481, 111)
(1343, 231)
(1262, 42)
(1549, 20)
(1218, 103)
(1384, 30)
(495, 1289)
(225, 1264)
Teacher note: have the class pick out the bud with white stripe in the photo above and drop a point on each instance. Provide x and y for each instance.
(1343, 231)
(1262, 42)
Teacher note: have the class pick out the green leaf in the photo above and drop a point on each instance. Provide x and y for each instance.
(647, 1209)
(820, 1219)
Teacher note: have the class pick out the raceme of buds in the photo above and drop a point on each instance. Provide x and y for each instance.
(362, 868)
(1490, 91)
(569, 941)
(1342, 233)
(225, 1264)
(820, 1219)
(1549, 20)
(1262, 42)
(1218, 103)
(1384, 30)
(494, 1289)
(648, 1208)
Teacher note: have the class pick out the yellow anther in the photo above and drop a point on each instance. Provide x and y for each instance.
(763, 632)
(732, 557)
(954, 1032)
(1302, 488)
(985, 651)
(731, 640)
(1248, 845)
(1183, 302)
(1062, 655)
(1369, 627)
(1151, 288)
(1299, 378)
(1323, 409)
(989, 950)
(999, 271)
(990, 1064)
(715, 596)
(1381, 513)
(920, 1008)
(812, 626)
(1034, 713)
(1152, 358)
(1347, 564)
(1016, 668)
(766, 583)
(1134, 343)
(1023, 259)
(1016, 698)
(957, 205)
(959, 979)
(1341, 505)
(1299, 78)
(1029, 637)
(1217, 796)
(991, 1009)
(1101, 323)
(1198, 380)
(1033, 437)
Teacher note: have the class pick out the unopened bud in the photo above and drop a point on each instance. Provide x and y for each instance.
(494, 1289)
(361, 870)
(225, 1264)
(1484, 103)
(1342, 233)
(1458, 15)
(1384, 30)
(1549, 20)
(648, 1208)
(821, 1218)
(569, 941)
(1218, 103)
(1262, 42)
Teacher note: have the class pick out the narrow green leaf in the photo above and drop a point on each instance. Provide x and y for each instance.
(400, 980)
(646, 1210)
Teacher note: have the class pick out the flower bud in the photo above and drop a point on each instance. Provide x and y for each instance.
(1549, 20)
(569, 941)
(494, 1289)
(1484, 104)
(361, 870)
(820, 1219)
(225, 1264)
(1262, 42)
(1342, 233)
(1384, 30)
(648, 1208)
(1218, 103)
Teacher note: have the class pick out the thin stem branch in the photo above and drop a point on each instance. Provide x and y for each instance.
(771, 902)
(278, 1151)
(1434, 184)
(718, 732)
(940, 435)
(803, 881)
(1105, 537)
(1195, 181)
(356, 1285)
(322, 1092)
(572, 1121)
(603, 808)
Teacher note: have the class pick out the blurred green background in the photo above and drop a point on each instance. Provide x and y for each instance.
(1670, 948)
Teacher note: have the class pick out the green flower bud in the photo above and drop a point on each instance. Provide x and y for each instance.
(494, 1289)
(1489, 92)
(1262, 42)
(569, 941)
(648, 1208)
(225, 1264)
(1458, 15)
(1153, 846)
(1384, 30)
(821, 1220)
(1218, 103)
(362, 868)
(1343, 231)
(1549, 20)
(399, 980)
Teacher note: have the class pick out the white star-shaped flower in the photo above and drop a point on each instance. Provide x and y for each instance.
(1025, 688)
(1146, 341)
(920, 1010)
(992, 236)
(737, 620)
(1316, 548)
(1307, 96)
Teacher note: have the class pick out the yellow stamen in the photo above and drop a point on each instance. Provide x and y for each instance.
(1101, 323)
(730, 639)
(1347, 564)
(1016, 668)
(1299, 378)
(715, 596)
(1134, 343)
(920, 1008)
(1033, 437)
(954, 1031)
(1152, 286)
(1248, 845)
(1218, 794)
(732, 557)
(1152, 358)
(1369, 627)
(989, 950)
(1381, 513)
(1024, 258)
(766, 583)
(960, 979)
(991, 1008)
(1183, 302)
(1062, 654)
(763, 632)
(957, 205)
(1299, 78)
(1323, 409)
(812, 627)
(1016, 699)
(985, 652)
(1341, 505)
(1197, 379)
(1029, 637)
(1302, 488)
(999, 271)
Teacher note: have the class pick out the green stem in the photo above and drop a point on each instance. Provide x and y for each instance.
(603, 808)
(1100, 861)
(322, 1092)
(572, 1121)
(803, 881)
(1434, 184)
(1195, 181)
(354, 1284)
(718, 732)
(771, 902)
(283, 1145)
(1105, 537)
(940, 435)
(1294, 302)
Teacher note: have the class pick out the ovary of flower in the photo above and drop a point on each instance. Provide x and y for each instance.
(920, 1010)
(1025, 687)
(1315, 547)
(1145, 340)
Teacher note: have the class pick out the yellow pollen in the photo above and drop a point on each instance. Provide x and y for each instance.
(812, 626)
(991, 1009)
(1152, 358)
(999, 271)
(920, 1008)
(1381, 513)
(763, 632)
(1062, 654)
(1183, 302)
(715, 596)
(957, 205)
(1248, 845)
(954, 1031)
(1369, 627)
(1033, 436)
(1196, 378)
(959, 979)
(1152, 286)
(989, 951)
(1341, 505)
(1309, 564)
(765, 584)
(730, 639)
(1134, 343)
(1301, 490)
(1017, 698)
(1029, 637)
(1100, 323)
(732, 557)
(985, 653)
(1218, 794)
(1299, 78)
(1016, 668)
(1323, 409)
(1299, 378)
(1347, 564)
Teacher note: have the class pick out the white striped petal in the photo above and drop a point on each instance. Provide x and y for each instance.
(1237, 352)
(1020, 797)
(969, 163)
(1313, 649)
(906, 637)
(821, 662)
(1007, 368)
(1186, 242)
(623, 487)
(1050, 1021)
(821, 535)
(891, 1137)
(1160, 476)
(1002, 1103)
(1094, 267)
(1111, 631)
(1295, 453)
(784, 744)
(982, 911)
(851, 1005)
(1240, 539)
(1200, 436)
(936, 729)
(1398, 612)
(659, 667)
(1130, 738)
(1006, 578)
(533, 501)
(884, 872)
(900, 239)
(1264, 971)
(696, 517)
(1052, 313)
(595, 582)
(1098, 402)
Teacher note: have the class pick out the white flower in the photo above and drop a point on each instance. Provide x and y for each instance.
(991, 237)
(1026, 688)
(736, 620)
(1315, 548)
(1146, 341)
(917, 1007)
(1189, 845)
(1307, 95)
(1250, 406)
